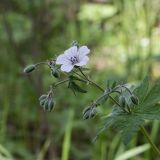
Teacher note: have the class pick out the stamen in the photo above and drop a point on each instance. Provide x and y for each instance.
(74, 60)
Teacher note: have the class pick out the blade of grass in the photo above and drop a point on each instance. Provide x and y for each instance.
(114, 145)
(154, 136)
(133, 152)
(103, 150)
(41, 154)
(5, 153)
(67, 136)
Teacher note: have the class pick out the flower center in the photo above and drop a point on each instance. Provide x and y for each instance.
(74, 60)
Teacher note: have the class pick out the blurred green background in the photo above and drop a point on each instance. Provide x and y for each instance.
(124, 37)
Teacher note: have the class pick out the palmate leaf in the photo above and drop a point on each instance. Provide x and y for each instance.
(142, 89)
(126, 124)
(107, 123)
(153, 96)
(150, 113)
(149, 109)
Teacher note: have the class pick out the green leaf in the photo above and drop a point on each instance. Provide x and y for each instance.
(76, 87)
(153, 96)
(128, 125)
(111, 83)
(71, 87)
(72, 78)
(142, 90)
(109, 121)
(132, 153)
(150, 113)
(149, 109)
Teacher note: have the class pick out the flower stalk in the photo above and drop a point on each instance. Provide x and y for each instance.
(156, 150)
(101, 89)
(61, 82)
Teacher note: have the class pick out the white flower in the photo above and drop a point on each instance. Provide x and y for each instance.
(73, 57)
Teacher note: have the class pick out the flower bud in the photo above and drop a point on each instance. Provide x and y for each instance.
(42, 102)
(134, 99)
(55, 73)
(122, 101)
(86, 109)
(89, 112)
(46, 101)
(113, 85)
(50, 105)
(45, 106)
(29, 68)
(42, 97)
(75, 43)
(86, 115)
(93, 112)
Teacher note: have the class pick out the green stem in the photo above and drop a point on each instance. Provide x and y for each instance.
(66, 80)
(41, 63)
(61, 82)
(93, 83)
(101, 89)
(143, 130)
(78, 74)
(117, 103)
(127, 89)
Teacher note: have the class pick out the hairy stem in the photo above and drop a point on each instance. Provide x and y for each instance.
(40, 63)
(156, 150)
(101, 89)
(127, 89)
(93, 83)
(61, 82)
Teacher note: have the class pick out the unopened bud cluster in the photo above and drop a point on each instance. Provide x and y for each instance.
(125, 102)
(46, 101)
(89, 112)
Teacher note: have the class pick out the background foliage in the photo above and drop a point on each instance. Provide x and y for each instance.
(124, 37)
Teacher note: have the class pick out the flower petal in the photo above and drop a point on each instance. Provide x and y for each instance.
(83, 61)
(67, 67)
(83, 50)
(62, 59)
(71, 52)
